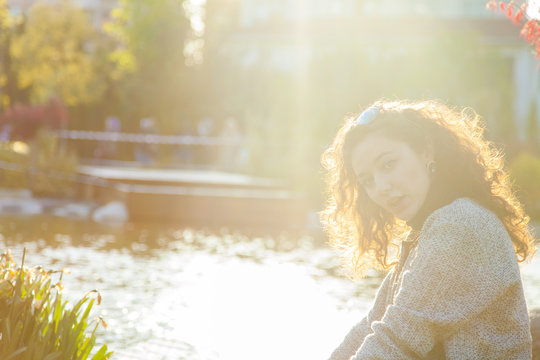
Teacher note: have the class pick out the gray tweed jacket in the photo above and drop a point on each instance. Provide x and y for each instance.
(458, 295)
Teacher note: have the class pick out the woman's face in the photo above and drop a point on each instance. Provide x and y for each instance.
(393, 175)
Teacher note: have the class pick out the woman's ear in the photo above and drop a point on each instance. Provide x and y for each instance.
(429, 153)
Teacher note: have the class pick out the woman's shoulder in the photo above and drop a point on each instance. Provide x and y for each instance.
(468, 229)
(465, 221)
(464, 212)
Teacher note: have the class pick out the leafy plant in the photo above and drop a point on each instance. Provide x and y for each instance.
(36, 324)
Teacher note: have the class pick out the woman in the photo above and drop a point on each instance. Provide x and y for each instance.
(420, 176)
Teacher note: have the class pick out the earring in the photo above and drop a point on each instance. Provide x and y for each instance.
(432, 166)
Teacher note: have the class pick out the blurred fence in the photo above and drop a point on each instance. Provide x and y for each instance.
(147, 138)
(155, 149)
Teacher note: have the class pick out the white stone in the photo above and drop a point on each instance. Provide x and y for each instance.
(113, 213)
(74, 211)
(20, 206)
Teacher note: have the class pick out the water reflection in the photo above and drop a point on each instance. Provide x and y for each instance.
(171, 293)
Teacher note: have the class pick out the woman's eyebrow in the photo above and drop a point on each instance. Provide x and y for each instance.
(381, 155)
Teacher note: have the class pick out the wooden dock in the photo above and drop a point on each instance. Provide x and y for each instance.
(198, 198)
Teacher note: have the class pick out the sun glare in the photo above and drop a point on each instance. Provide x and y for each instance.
(20, 147)
(533, 9)
(195, 12)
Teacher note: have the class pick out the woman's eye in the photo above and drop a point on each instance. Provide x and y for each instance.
(389, 164)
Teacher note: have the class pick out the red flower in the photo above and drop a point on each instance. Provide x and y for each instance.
(527, 31)
(509, 11)
(502, 5)
(535, 32)
(518, 16)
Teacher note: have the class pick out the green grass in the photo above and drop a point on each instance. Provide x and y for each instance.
(36, 324)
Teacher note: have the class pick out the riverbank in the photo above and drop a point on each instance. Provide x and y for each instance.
(121, 210)
(21, 202)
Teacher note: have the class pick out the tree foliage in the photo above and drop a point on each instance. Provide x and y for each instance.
(4, 28)
(7, 26)
(152, 34)
(52, 56)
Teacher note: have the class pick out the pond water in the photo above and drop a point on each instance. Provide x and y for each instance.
(177, 293)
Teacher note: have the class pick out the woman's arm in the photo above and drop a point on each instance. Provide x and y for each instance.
(458, 271)
(358, 333)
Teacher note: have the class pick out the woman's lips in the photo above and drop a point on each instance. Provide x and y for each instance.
(396, 202)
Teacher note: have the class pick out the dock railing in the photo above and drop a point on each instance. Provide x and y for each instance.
(201, 152)
(148, 138)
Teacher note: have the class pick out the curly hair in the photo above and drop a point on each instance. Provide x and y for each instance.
(467, 166)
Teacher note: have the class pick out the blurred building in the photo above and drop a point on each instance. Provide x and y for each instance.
(285, 35)
(436, 8)
(260, 11)
(97, 10)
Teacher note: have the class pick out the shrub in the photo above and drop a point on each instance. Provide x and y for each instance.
(54, 166)
(35, 323)
(44, 166)
(25, 121)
